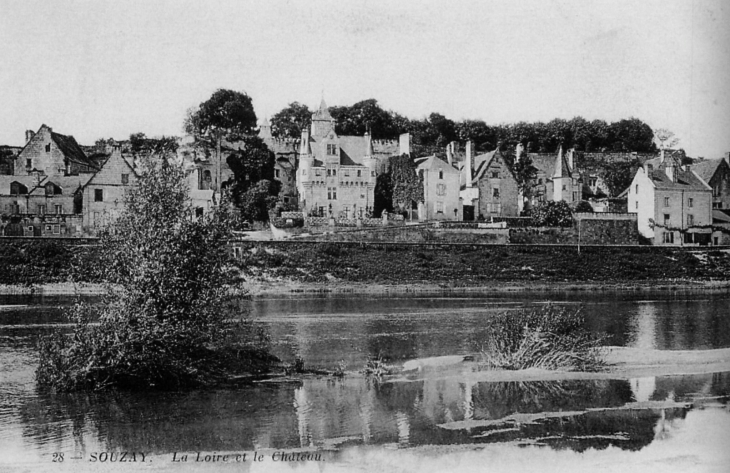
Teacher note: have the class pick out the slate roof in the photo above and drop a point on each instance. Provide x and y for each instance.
(71, 149)
(432, 162)
(323, 113)
(686, 180)
(718, 216)
(707, 169)
(544, 163)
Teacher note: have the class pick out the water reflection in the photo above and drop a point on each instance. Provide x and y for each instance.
(322, 412)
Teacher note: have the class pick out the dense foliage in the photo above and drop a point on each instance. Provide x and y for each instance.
(551, 337)
(407, 184)
(552, 214)
(163, 315)
(290, 121)
(253, 188)
(226, 113)
(431, 133)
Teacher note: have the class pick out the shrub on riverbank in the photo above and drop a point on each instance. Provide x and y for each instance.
(551, 337)
(162, 323)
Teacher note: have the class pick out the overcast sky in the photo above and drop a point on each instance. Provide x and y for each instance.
(107, 69)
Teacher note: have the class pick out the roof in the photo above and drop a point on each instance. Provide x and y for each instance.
(707, 169)
(352, 149)
(485, 160)
(71, 149)
(686, 180)
(64, 182)
(718, 216)
(544, 163)
(430, 163)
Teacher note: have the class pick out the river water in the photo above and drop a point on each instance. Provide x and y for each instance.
(361, 416)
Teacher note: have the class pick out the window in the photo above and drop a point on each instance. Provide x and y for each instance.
(359, 173)
(17, 188)
(495, 174)
(666, 220)
(277, 173)
(439, 207)
(332, 193)
(666, 202)
(564, 187)
(125, 179)
(28, 163)
(690, 220)
(41, 209)
(441, 173)
(592, 181)
(575, 196)
(98, 195)
(495, 193)
(716, 190)
(690, 202)
(441, 189)
(637, 188)
(539, 181)
(49, 189)
(59, 209)
(347, 173)
(668, 237)
(331, 149)
(48, 147)
(57, 229)
(317, 172)
(49, 228)
(717, 205)
(637, 205)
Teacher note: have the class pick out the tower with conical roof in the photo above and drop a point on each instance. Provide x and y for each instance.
(322, 121)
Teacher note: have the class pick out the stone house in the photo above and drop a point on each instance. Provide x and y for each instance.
(103, 194)
(499, 194)
(716, 173)
(673, 204)
(42, 194)
(441, 190)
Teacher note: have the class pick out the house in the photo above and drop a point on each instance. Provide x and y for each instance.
(41, 189)
(716, 173)
(499, 193)
(440, 190)
(557, 178)
(103, 194)
(51, 153)
(336, 174)
(673, 204)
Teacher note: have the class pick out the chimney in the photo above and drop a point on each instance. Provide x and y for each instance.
(404, 144)
(116, 149)
(518, 152)
(29, 134)
(449, 154)
(661, 156)
(670, 171)
(468, 163)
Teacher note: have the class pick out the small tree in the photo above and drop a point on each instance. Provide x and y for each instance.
(162, 318)
(584, 206)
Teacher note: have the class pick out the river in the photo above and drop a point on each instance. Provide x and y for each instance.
(354, 418)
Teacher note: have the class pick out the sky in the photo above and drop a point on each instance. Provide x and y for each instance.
(100, 68)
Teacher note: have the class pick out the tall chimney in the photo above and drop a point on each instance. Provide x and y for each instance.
(468, 164)
(518, 152)
(570, 158)
(404, 144)
(449, 154)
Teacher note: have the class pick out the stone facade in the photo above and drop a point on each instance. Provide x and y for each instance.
(557, 178)
(499, 194)
(51, 153)
(104, 193)
(716, 173)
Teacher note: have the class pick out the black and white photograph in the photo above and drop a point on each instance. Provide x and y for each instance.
(364, 235)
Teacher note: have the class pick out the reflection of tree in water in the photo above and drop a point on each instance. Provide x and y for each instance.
(166, 422)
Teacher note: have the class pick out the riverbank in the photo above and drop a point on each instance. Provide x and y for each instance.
(263, 289)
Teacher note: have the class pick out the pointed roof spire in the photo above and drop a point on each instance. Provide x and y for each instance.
(559, 163)
(323, 112)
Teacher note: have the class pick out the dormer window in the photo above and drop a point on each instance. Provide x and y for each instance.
(332, 149)
(17, 188)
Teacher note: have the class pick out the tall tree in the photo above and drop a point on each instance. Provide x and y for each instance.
(366, 115)
(291, 120)
(227, 114)
(631, 135)
(253, 188)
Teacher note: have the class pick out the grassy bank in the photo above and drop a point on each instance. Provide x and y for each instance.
(473, 265)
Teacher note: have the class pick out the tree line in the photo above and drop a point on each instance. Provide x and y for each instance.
(435, 131)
